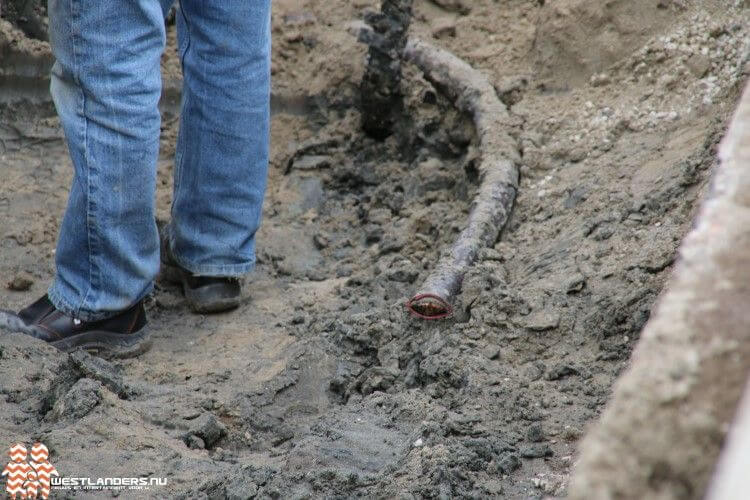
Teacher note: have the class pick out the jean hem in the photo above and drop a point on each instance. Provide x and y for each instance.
(215, 270)
(64, 306)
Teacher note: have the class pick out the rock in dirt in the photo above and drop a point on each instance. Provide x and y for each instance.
(460, 6)
(402, 271)
(535, 433)
(600, 80)
(194, 442)
(561, 371)
(435, 176)
(541, 321)
(508, 464)
(536, 451)
(78, 401)
(575, 283)
(99, 369)
(311, 162)
(321, 240)
(298, 19)
(21, 282)
(443, 27)
(206, 427)
(309, 193)
(377, 378)
(699, 65)
(491, 352)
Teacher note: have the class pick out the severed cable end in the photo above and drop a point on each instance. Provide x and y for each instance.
(429, 306)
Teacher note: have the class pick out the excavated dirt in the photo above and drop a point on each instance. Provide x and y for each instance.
(321, 385)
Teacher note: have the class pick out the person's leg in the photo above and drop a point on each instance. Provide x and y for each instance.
(222, 148)
(106, 85)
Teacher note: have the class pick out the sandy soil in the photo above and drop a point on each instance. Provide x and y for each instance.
(321, 385)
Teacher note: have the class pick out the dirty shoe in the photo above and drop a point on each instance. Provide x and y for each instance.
(204, 294)
(123, 335)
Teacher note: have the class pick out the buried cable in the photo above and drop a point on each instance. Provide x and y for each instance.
(473, 93)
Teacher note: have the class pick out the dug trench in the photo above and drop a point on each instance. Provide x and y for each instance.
(321, 384)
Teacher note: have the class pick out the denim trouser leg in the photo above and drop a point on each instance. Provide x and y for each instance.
(106, 85)
(222, 148)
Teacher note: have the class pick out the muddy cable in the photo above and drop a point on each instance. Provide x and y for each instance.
(473, 93)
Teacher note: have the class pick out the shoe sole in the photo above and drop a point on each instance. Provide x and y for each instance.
(197, 302)
(108, 344)
(99, 343)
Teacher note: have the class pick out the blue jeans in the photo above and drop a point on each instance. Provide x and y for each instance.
(106, 85)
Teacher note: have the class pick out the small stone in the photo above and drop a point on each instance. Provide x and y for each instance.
(600, 80)
(491, 352)
(716, 30)
(575, 283)
(321, 241)
(418, 443)
(377, 378)
(282, 435)
(293, 37)
(575, 197)
(297, 19)
(21, 282)
(577, 154)
(603, 232)
(99, 369)
(508, 464)
(316, 275)
(309, 193)
(561, 371)
(194, 442)
(78, 402)
(571, 433)
(636, 217)
(373, 235)
(699, 65)
(535, 433)
(443, 27)
(542, 320)
(436, 176)
(534, 372)
(311, 162)
(380, 216)
(344, 271)
(459, 6)
(490, 254)
(403, 273)
(536, 451)
(208, 428)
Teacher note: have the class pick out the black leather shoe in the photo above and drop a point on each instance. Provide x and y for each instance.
(121, 336)
(204, 294)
